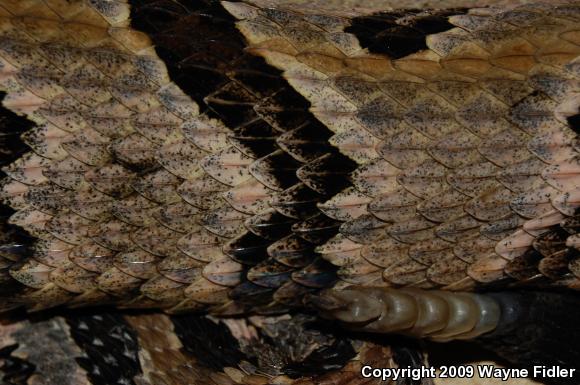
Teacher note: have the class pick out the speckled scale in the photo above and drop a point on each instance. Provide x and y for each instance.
(444, 207)
(376, 178)
(67, 173)
(382, 117)
(45, 140)
(138, 263)
(134, 151)
(228, 166)
(364, 229)
(492, 205)
(180, 268)
(113, 235)
(69, 227)
(73, 278)
(425, 180)
(181, 158)
(385, 252)
(89, 147)
(203, 192)
(223, 221)
(157, 240)
(159, 186)
(456, 229)
(405, 148)
(47, 198)
(28, 169)
(250, 197)
(180, 217)
(398, 205)
(92, 257)
(134, 209)
(533, 113)
(112, 179)
(92, 204)
(201, 245)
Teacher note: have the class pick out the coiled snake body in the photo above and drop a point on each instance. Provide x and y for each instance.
(312, 176)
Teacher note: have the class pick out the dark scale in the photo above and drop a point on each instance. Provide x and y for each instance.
(400, 33)
(317, 229)
(109, 345)
(11, 127)
(298, 201)
(141, 168)
(524, 266)
(574, 123)
(270, 273)
(317, 275)
(212, 344)
(14, 370)
(248, 249)
(233, 104)
(271, 225)
(327, 174)
(250, 294)
(255, 139)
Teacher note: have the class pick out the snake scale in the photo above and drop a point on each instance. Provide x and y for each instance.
(279, 192)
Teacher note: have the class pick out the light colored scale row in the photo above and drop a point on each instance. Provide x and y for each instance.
(465, 152)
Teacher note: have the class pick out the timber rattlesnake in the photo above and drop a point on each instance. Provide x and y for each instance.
(279, 165)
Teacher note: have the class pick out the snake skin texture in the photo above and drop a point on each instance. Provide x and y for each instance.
(205, 172)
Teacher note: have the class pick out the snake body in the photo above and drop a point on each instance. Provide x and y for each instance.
(394, 169)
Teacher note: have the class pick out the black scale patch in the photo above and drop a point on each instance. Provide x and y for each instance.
(14, 370)
(400, 33)
(211, 343)
(574, 123)
(110, 348)
(11, 127)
